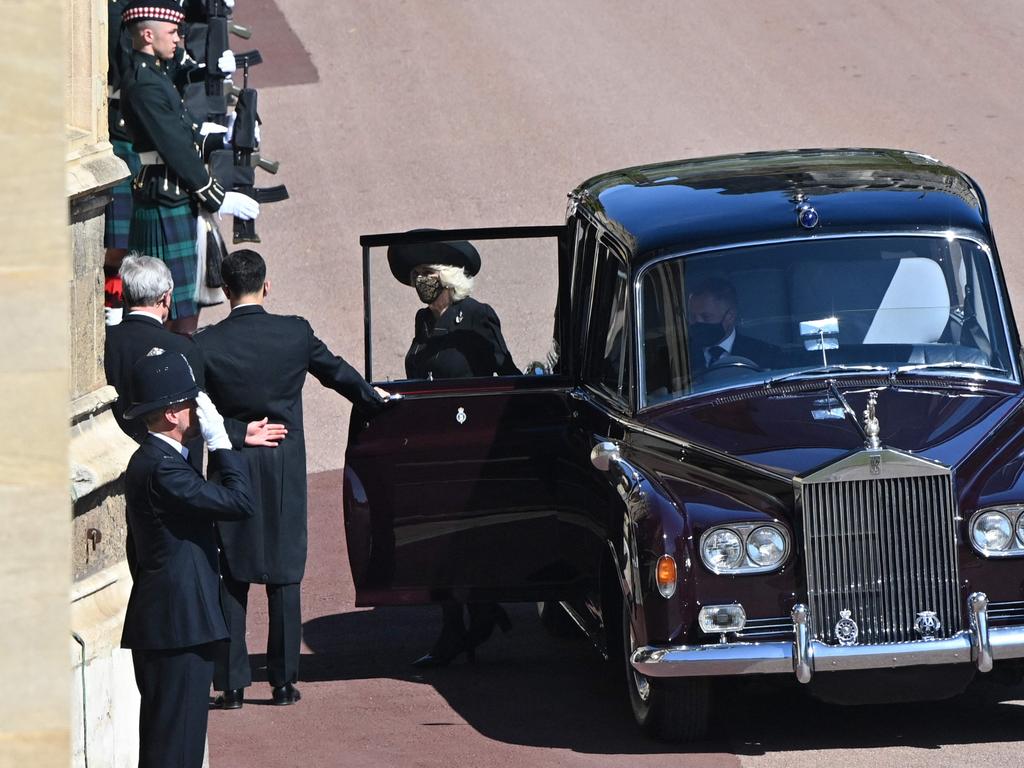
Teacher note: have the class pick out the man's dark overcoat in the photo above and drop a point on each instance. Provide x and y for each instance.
(131, 339)
(171, 509)
(256, 365)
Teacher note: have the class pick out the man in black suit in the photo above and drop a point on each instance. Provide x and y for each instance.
(147, 287)
(256, 363)
(174, 617)
(712, 312)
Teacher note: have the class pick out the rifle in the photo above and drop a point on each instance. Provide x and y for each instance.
(206, 42)
(236, 169)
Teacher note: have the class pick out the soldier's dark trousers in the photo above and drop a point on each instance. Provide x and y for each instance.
(174, 688)
(284, 636)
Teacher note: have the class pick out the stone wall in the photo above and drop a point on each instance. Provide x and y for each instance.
(35, 568)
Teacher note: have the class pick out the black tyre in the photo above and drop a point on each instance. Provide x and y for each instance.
(676, 710)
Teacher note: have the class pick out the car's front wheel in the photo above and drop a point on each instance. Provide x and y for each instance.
(668, 709)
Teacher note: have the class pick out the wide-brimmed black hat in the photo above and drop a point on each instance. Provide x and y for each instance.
(456, 253)
(160, 379)
(152, 10)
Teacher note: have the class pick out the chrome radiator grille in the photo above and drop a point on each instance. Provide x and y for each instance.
(883, 549)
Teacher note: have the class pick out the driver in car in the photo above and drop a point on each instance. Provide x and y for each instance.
(711, 311)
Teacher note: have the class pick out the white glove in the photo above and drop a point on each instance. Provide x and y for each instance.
(240, 206)
(226, 63)
(112, 315)
(207, 128)
(230, 133)
(211, 423)
(229, 3)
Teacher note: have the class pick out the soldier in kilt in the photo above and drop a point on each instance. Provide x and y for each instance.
(173, 182)
(118, 213)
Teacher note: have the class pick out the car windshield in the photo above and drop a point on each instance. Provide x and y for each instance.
(782, 311)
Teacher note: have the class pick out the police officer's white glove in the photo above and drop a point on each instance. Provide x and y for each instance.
(226, 63)
(211, 423)
(230, 133)
(240, 206)
(229, 3)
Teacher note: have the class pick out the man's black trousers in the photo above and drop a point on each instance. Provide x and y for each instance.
(284, 636)
(174, 686)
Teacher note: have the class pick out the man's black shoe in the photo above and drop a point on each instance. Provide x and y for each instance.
(286, 694)
(230, 699)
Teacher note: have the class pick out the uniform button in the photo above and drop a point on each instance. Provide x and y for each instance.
(263, 576)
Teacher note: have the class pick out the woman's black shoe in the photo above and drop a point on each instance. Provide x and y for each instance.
(483, 617)
(452, 641)
(439, 658)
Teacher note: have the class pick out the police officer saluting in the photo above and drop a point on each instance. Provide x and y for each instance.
(172, 145)
(174, 617)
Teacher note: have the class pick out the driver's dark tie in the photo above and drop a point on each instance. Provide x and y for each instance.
(714, 353)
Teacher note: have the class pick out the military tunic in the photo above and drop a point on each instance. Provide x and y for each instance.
(174, 178)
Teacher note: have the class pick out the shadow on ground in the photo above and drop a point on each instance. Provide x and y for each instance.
(532, 689)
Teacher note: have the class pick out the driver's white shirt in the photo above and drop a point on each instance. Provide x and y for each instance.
(725, 344)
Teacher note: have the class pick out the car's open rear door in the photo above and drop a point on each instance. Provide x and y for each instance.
(463, 488)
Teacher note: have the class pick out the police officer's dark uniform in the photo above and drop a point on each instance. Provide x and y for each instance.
(256, 363)
(174, 617)
(466, 340)
(173, 179)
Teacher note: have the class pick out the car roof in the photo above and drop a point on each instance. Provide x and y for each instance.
(692, 204)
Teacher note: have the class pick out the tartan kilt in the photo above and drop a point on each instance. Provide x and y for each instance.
(118, 212)
(169, 234)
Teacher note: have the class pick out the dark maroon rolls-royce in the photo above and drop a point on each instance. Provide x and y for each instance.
(777, 430)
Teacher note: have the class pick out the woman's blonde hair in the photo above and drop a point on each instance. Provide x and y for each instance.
(456, 279)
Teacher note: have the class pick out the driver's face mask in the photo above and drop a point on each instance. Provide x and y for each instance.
(703, 335)
(428, 287)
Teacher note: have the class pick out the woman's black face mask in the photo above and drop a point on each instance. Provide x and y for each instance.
(704, 335)
(428, 287)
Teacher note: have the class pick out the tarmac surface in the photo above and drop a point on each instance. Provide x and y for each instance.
(392, 116)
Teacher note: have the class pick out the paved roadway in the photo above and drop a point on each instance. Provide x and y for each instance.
(389, 116)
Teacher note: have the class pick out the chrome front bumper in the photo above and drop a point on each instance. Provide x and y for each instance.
(803, 657)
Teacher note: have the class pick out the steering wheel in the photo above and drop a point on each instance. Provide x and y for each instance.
(725, 362)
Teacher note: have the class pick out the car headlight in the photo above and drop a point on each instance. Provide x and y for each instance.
(722, 549)
(744, 547)
(998, 531)
(992, 531)
(765, 546)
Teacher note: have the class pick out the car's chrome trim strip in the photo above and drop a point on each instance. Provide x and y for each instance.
(960, 234)
(980, 645)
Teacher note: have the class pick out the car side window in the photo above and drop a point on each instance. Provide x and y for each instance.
(609, 327)
(463, 309)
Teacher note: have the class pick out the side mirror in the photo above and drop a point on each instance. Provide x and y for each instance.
(604, 454)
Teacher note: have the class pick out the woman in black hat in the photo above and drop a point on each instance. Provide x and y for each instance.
(455, 336)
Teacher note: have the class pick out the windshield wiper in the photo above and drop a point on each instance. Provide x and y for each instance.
(825, 370)
(950, 365)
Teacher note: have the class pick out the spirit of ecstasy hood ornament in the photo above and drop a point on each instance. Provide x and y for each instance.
(871, 428)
